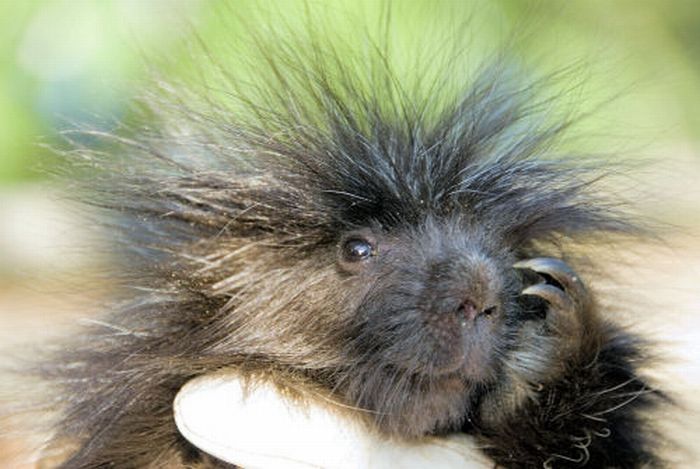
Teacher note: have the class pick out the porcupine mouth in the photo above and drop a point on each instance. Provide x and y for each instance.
(461, 351)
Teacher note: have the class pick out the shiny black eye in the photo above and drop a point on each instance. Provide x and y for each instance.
(355, 250)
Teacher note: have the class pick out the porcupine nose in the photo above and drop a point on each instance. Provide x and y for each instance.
(469, 311)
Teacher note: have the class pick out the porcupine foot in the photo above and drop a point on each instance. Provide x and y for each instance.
(572, 396)
(569, 309)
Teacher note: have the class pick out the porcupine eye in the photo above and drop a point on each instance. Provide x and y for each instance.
(356, 250)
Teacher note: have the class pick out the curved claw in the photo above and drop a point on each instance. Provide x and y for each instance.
(558, 270)
(553, 295)
(567, 298)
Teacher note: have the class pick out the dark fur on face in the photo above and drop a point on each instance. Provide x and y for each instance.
(337, 228)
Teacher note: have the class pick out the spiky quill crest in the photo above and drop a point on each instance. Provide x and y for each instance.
(231, 215)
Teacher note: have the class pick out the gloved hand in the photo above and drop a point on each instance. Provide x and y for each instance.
(258, 427)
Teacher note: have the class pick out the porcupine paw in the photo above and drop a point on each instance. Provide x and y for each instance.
(566, 297)
(544, 348)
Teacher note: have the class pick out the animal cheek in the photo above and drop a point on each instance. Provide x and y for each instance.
(445, 330)
(443, 347)
(464, 347)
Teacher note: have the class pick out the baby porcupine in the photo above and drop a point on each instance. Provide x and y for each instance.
(398, 244)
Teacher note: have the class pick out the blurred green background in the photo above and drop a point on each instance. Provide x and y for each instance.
(67, 62)
(82, 61)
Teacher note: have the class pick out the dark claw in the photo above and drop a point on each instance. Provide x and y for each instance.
(553, 295)
(564, 302)
(558, 270)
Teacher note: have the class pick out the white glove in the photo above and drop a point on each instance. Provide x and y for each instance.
(257, 427)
